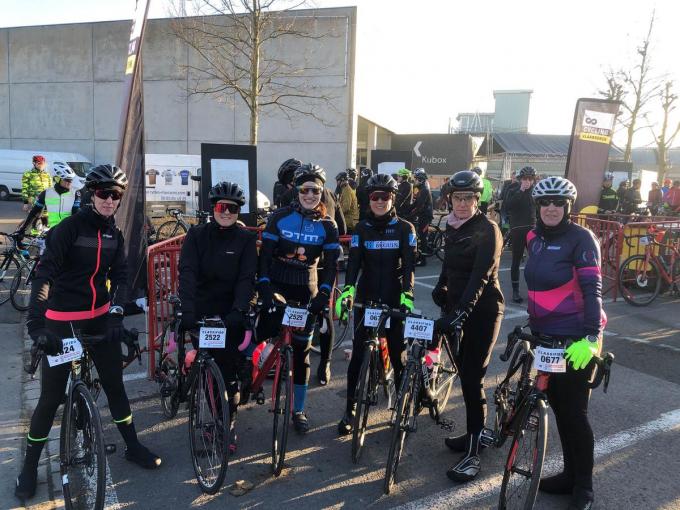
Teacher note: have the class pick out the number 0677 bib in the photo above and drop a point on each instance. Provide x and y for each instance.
(550, 360)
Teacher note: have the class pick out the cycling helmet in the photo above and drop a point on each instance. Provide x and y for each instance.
(555, 187)
(420, 175)
(382, 182)
(365, 172)
(106, 176)
(608, 177)
(404, 172)
(527, 171)
(287, 170)
(38, 158)
(309, 172)
(351, 173)
(466, 180)
(477, 170)
(227, 191)
(62, 171)
(342, 176)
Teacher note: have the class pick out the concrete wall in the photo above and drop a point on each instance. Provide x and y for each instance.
(61, 90)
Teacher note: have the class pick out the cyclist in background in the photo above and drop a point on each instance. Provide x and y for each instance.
(292, 243)
(565, 302)
(621, 193)
(654, 198)
(487, 194)
(347, 198)
(285, 180)
(632, 198)
(672, 198)
(217, 268)
(404, 198)
(469, 293)
(383, 250)
(365, 174)
(352, 175)
(422, 211)
(69, 292)
(609, 199)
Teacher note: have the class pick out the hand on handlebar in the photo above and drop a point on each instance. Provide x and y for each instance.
(319, 302)
(580, 353)
(345, 302)
(47, 341)
(449, 323)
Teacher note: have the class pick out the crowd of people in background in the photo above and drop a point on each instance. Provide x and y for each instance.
(627, 199)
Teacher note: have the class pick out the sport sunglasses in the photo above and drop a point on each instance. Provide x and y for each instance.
(223, 207)
(309, 189)
(380, 195)
(557, 202)
(105, 194)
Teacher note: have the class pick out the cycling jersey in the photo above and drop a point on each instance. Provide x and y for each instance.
(152, 173)
(384, 249)
(33, 182)
(184, 176)
(59, 202)
(562, 273)
(328, 198)
(520, 207)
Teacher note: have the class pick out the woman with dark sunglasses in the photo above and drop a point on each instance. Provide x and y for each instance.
(383, 250)
(470, 296)
(69, 293)
(563, 276)
(217, 269)
(293, 241)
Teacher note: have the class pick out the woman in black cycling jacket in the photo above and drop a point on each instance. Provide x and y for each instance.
(69, 293)
(292, 243)
(217, 269)
(383, 248)
(469, 293)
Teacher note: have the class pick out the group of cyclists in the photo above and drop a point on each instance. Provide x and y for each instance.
(221, 273)
(627, 199)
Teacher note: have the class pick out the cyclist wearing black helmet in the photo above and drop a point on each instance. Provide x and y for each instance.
(69, 293)
(522, 211)
(285, 179)
(383, 249)
(469, 293)
(421, 210)
(217, 269)
(352, 176)
(292, 243)
(365, 174)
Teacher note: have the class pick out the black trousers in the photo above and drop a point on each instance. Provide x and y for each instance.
(519, 240)
(568, 395)
(53, 380)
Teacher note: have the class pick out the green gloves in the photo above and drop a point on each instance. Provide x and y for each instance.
(580, 353)
(348, 293)
(406, 302)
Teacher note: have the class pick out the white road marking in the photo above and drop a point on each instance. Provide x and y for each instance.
(464, 497)
(427, 277)
(134, 376)
(645, 341)
(424, 284)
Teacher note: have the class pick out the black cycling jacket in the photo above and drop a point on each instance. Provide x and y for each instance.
(403, 200)
(217, 268)
(521, 208)
(384, 250)
(422, 204)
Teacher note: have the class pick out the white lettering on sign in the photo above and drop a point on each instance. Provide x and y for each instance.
(433, 160)
(212, 338)
(550, 360)
(422, 329)
(295, 317)
(71, 350)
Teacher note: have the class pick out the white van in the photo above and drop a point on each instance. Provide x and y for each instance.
(13, 164)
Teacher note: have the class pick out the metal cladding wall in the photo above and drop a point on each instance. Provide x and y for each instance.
(438, 154)
(61, 90)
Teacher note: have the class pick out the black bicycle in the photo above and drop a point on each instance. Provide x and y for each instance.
(415, 379)
(522, 411)
(20, 289)
(195, 377)
(11, 260)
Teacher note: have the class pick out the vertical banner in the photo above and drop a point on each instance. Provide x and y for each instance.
(591, 137)
(130, 155)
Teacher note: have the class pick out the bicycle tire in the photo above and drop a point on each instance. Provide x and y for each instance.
(340, 328)
(403, 409)
(362, 397)
(447, 374)
(168, 374)
(81, 426)
(20, 292)
(170, 229)
(208, 392)
(534, 417)
(649, 281)
(8, 268)
(282, 402)
(507, 396)
(439, 252)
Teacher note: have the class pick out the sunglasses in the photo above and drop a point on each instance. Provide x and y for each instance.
(309, 189)
(557, 202)
(105, 194)
(380, 195)
(223, 207)
(463, 198)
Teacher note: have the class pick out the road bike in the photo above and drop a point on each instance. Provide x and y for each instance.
(178, 226)
(11, 260)
(522, 411)
(434, 244)
(20, 290)
(194, 377)
(416, 380)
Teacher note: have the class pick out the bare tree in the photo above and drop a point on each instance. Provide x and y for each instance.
(635, 88)
(239, 45)
(663, 138)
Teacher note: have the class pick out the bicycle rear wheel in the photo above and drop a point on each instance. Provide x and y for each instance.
(170, 229)
(363, 399)
(403, 411)
(282, 401)
(20, 293)
(209, 427)
(8, 268)
(81, 452)
(168, 372)
(438, 245)
(525, 459)
(446, 376)
(639, 280)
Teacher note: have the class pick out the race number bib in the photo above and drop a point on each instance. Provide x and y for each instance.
(295, 317)
(550, 360)
(71, 350)
(372, 318)
(422, 329)
(212, 338)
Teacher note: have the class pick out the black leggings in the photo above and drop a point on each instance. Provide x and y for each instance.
(107, 359)
(568, 395)
(518, 237)
(479, 336)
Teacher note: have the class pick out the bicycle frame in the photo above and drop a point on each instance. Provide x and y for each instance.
(283, 343)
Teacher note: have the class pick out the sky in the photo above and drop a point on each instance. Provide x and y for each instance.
(421, 62)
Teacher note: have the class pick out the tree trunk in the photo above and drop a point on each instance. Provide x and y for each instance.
(255, 72)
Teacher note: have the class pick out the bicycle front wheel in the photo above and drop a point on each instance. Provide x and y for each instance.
(20, 293)
(9, 267)
(639, 280)
(81, 452)
(283, 396)
(170, 229)
(525, 459)
(209, 427)
(363, 399)
(402, 416)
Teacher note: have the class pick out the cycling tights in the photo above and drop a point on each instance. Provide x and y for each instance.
(519, 241)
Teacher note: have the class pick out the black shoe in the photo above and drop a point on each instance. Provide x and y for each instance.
(345, 425)
(300, 422)
(581, 499)
(323, 373)
(516, 297)
(562, 483)
(469, 465)
(141, 456)
(26, 483)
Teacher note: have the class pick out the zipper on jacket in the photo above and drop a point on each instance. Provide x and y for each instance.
(96, 270)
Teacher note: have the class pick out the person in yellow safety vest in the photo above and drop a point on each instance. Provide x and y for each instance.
(487, 194)
(33, 182)
(59, 201)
